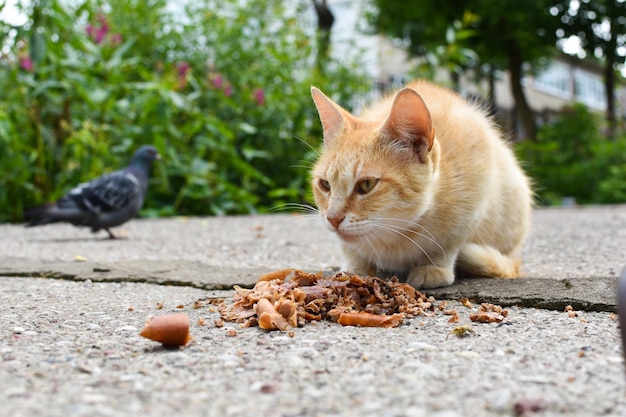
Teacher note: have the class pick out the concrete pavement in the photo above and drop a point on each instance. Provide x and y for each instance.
(573, 256)
(73, 303)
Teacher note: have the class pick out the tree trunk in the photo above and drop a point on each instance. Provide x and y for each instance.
(609, 78)
(325, 20)
(455, 79)
(491, 100)
(609, 86)
(524, 112)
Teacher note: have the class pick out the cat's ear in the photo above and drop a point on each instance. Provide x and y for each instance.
(331, 115)
(409, 123)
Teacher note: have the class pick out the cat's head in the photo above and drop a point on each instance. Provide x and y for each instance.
(373, 175)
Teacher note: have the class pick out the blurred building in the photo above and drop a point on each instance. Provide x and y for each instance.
(562, 82)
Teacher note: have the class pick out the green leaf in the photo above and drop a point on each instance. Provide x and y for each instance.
(98, 95)
(250, 154)
(118, 55)
(38, 46)
(247, 128)
(176, 99)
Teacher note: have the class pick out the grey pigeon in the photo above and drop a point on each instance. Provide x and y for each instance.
(103, 202)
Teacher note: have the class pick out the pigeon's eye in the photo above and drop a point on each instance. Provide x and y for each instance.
(365, 186)
(324, 185)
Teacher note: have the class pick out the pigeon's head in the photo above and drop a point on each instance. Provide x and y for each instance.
(145, 156)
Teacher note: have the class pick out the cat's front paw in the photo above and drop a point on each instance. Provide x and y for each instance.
(430, 276)
(358, 267)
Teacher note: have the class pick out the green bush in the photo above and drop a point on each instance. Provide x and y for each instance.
(612, 187)
(221, 88)
(571, 158)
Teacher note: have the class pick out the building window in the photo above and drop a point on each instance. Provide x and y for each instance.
(555, 80)
(589, 89)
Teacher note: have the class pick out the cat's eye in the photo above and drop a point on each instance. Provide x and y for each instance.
(324, 185)
(365, 186)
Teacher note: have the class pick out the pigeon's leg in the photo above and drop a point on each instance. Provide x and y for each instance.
(112, 236)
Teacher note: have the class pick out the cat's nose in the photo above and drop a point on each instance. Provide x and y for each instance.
(335, 219)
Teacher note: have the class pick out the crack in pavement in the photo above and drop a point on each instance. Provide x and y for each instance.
(589, 294)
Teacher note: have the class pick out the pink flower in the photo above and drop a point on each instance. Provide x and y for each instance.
(116, 39)
(259, 96)
(183, 69)
(104, 24)
(221, 84)
(27, 64)
(98, 34)
(218, 80)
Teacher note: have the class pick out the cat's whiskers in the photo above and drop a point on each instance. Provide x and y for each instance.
(373, 248)
(307, 167)
(404, 229)
(303, 163)
(311, 147)
(298, 207)
(399, 232)
(309, 219)
(300, 213)
(410, 222)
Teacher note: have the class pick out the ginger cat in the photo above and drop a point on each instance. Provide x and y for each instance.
(419, 185)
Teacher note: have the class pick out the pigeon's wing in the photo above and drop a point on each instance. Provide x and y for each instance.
(104, 202)
(105, 194)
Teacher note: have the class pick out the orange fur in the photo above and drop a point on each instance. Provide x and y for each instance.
(447, 190)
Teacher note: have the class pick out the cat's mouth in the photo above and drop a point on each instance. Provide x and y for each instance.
(346, 237)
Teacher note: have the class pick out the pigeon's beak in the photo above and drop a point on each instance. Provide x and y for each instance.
(157, 157)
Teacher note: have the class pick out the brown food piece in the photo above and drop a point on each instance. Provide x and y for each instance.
(276, 275)
(169, 329)
(270, 387)
(289, 310)
(365, 319)
(570, 311)
(454, 319)
(307, 297)
(527, 406)
(489, 313)
(268, 317)
(486, 317)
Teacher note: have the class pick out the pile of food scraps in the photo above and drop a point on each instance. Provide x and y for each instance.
(291, 298)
